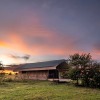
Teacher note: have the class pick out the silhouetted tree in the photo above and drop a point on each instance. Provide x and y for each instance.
(1, 72)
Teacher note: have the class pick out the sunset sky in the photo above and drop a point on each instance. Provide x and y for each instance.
(40, 30)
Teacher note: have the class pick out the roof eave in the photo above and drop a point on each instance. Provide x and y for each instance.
(35, 69)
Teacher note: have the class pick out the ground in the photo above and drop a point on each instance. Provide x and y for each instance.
(43, 90)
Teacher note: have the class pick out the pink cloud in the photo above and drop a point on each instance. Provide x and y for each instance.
(19, 33)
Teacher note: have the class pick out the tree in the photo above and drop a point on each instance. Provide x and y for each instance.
(1, 72)
(94, 75)
(1, 66)
(80, 60)
(85, 69)
(79, 64)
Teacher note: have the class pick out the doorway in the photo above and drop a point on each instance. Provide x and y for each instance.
(53, 74)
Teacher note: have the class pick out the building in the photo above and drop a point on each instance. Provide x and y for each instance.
(43, 70)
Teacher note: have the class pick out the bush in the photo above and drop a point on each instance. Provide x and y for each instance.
(8, 80)
(2, 77)
(74, 73)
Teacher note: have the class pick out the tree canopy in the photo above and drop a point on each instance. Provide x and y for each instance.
(85, 69)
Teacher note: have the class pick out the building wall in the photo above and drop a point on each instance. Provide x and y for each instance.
(34, 75)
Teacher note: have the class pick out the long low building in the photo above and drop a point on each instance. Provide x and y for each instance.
(43, 70)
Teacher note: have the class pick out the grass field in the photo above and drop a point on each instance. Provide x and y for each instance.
(42, 90)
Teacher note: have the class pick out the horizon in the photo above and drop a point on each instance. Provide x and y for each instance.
(43, 30)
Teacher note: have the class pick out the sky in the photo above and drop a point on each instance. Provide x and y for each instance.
(41, 30)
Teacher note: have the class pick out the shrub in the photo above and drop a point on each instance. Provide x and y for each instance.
(2, 77)
(8, 80)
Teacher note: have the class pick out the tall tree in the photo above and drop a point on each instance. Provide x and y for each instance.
(80, 64)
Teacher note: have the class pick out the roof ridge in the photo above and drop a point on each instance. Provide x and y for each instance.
(46, 61)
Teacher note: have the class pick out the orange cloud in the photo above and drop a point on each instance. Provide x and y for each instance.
(3, 44)
(52, 43)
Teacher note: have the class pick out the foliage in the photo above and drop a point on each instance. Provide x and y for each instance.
(8, 80)
(64, 74)
(2, 74)
(80, 60)
(85, 69)
(1, 66)
(74, 73)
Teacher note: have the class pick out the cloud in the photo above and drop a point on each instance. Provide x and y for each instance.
(25, 57)
(40, 41)
(3, 44)
(53, 44)
(23, 29)
(28, 35)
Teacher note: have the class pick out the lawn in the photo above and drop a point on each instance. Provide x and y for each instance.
(43, 90)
